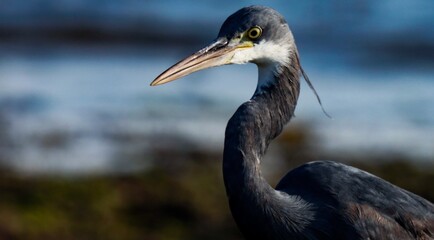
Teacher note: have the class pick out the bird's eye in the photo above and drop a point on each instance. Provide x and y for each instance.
(254, 32)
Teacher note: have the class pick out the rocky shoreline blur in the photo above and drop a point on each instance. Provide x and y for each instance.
(180, 195)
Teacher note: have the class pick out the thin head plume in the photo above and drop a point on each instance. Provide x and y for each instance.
(306, 78)
(314, 91)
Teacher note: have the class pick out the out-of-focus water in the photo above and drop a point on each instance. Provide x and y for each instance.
(65, 108)
(89, 98)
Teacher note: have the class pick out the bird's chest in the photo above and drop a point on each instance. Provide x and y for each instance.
(260, 221)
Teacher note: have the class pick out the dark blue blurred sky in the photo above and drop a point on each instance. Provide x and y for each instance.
(394, 30)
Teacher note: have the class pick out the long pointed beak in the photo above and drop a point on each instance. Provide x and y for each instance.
(216, 54)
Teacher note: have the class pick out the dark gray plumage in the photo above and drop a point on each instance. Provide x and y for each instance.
(318, 200)
(272, 23)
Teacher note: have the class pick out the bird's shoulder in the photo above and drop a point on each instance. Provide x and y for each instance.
(345, 183)
(370, 203)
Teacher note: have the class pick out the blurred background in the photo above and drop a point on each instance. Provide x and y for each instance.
(89, 151)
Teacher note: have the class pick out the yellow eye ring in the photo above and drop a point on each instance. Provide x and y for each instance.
(254, 32)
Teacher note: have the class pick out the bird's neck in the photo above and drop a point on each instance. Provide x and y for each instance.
(251, 129)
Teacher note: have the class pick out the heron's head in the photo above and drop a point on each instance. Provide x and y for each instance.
(252, 34)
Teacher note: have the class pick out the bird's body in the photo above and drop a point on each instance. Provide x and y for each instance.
(352, 204)
(318, 200)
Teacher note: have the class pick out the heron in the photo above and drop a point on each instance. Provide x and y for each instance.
(317, 200)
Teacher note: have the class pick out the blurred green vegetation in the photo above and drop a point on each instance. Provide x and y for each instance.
(184, 200)
(180, 197)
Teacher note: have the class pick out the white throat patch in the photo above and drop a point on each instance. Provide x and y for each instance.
(268, 56)
(264, 52)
